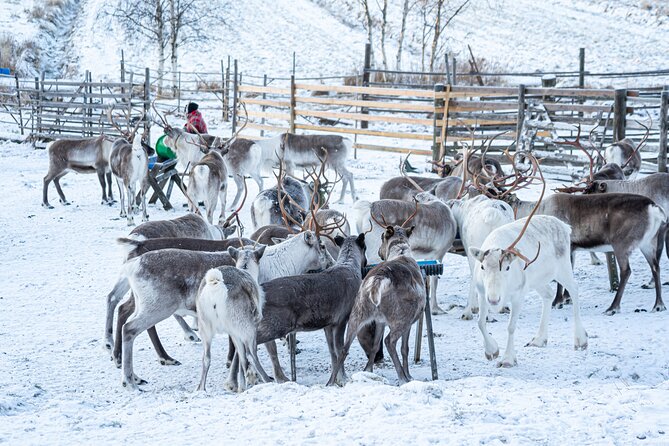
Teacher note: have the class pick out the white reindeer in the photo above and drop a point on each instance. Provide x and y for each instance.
(230, 300)
(209, 183)
(476, 218)
(504, 274)
(129, 163)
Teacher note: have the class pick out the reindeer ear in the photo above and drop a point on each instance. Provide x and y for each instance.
(234, 252)
(227, 232)
(477, 253)
(309, 238)
(339, 240)
(277, 240)
(409, 231)
(259, 252)
(601, 187)
(361, 240)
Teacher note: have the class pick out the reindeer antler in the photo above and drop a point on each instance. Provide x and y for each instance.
(512, 247)
(643, 140)
(404, 173)
(412, 215)
(235, 214)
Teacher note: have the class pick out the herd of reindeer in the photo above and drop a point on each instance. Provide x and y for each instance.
(303, 269)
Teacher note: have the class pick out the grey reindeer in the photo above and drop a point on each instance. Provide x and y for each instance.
(88, 155)
(309, 302)
(165, 282)
(230, 300)
(186, 226)
(129, 163)
(393, 294)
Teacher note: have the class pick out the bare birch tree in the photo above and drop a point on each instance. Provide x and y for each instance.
(400, 39)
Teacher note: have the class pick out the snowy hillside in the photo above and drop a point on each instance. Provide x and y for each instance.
(328, 36)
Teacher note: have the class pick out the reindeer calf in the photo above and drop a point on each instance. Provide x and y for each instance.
(502, 277)
(230, 300)
(129, 163)
(393, 293)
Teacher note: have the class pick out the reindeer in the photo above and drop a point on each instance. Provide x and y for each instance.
(406, 187)
(129, 163)
(626, 155)
(209, 182)
(392, 293)
(505, 275)
(618, 222)
(166, 282)
(247, 157)
(230, 300)
(432, 238)
(187, 226)
(313, 302)
(268, 209)
(88, 155)
(309, 151)
(476, 218)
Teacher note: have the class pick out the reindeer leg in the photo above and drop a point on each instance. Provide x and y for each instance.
(580, 335)
(379, 328)
(239, 182)
(652, 258)
(354, 325)
(279, 376)
(207, 338)
(434, 306)
(142, 192)
(405, 353)
(189, 334)
(130, 196)
(163, 357)
(625, 272)
(56, 182)
(231, 352)
(509, 359)
(472, 303)
(244, 365)
(113, 298)
(489, 344)
(391, 346)
(222, 197)
(126, 308)
(254, 355)
(109, 188)
(541, 338)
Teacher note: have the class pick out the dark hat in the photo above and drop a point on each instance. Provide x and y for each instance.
(192, 106)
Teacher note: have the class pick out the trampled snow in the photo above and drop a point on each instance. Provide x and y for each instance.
(60, 387)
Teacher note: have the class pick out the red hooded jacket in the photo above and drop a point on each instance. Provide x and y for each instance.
(195, 120)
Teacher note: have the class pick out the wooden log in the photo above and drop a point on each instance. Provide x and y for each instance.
(619, 114)
(664, 127)
(521, 114)
(262, 89)
(291, 118)
(360, 117)
(366, 132)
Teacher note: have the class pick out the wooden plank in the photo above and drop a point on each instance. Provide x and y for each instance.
(363, 117)
(261, 89)
(555, 106)
(75, 105)
(266, 102)
(71, 94)
(88, 84)
(418, 107)
(392, 149)
(573, 92)
(367, 132)
(367, 90)
(268, 115)
(469, 90)
(269, 128)
(462, 105)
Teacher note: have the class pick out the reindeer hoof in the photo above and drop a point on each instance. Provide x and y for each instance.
(231, 386)
(47, 206)
(193, 338)
(507, 363)
(169, 361)
(537, 343)
(658, 308)
(612, 311)
(437, 311)
(139, 381)
(491, 356)
(581, 344)
(467, 316)
(647, 286)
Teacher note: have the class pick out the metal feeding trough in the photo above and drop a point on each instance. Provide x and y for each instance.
(428, 268)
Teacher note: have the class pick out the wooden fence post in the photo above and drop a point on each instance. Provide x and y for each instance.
(122, 67)
(448, 70)
(222, 91)
(291, 127)
(235, 88)
(226, 94)
(521, 114)
(365, 81)
(84, 111)
(664, 127)
(147, 103)
(263, 108)
(619, 112)
(438, 118)
(581, 68)
(455, 71)
(179, 91)
(18, 100)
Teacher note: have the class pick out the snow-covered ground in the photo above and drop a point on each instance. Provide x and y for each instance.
(58, 386)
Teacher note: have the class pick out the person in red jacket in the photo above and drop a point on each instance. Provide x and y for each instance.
(195, 123)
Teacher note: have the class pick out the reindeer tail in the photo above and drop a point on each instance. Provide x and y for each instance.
(213, 277)
(130, 245)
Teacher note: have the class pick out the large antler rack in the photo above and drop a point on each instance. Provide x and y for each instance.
(235, 214)
(128, 134)
(643, 140)
(512, 247)
(407, 177)
(326, 229)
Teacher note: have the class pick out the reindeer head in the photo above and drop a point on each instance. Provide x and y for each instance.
(499, 273)
(247, 258)
(395, 242)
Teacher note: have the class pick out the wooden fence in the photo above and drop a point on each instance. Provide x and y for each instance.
(434, 122)
(50, 108)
